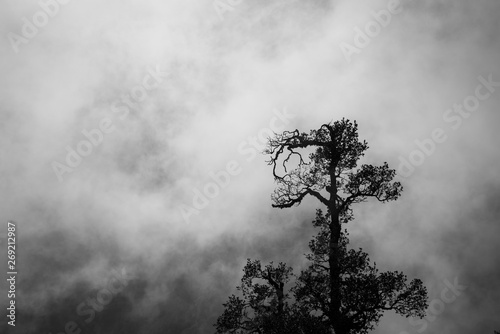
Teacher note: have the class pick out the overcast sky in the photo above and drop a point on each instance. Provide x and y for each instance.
(222, 75)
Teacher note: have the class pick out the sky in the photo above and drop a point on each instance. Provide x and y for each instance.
(165, 97)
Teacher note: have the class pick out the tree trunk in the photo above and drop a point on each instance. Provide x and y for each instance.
(335, 298)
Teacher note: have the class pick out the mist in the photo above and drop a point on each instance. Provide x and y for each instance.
(220, 79)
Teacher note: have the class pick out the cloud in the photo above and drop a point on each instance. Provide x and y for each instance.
(120, 207)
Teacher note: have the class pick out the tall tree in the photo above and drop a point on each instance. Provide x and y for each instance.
(329, 175)
(341, 290)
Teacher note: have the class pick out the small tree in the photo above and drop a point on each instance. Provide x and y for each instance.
(265, 306)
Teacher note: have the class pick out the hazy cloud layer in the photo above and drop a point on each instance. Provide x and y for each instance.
(226, 80)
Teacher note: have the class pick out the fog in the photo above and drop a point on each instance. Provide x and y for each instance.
(218, 77)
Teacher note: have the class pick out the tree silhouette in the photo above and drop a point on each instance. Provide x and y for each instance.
(329, 175)
(364, 292)
(268, 306)
(265, 306)
(340, 290)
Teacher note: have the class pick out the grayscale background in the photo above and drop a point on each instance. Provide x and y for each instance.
(226, 75)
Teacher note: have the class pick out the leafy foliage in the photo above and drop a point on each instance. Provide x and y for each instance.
(265, 306)
(365, 293)
(268, 306)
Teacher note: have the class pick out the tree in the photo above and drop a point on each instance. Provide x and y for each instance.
(265, 307)
(340, 290)
(330, 176)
